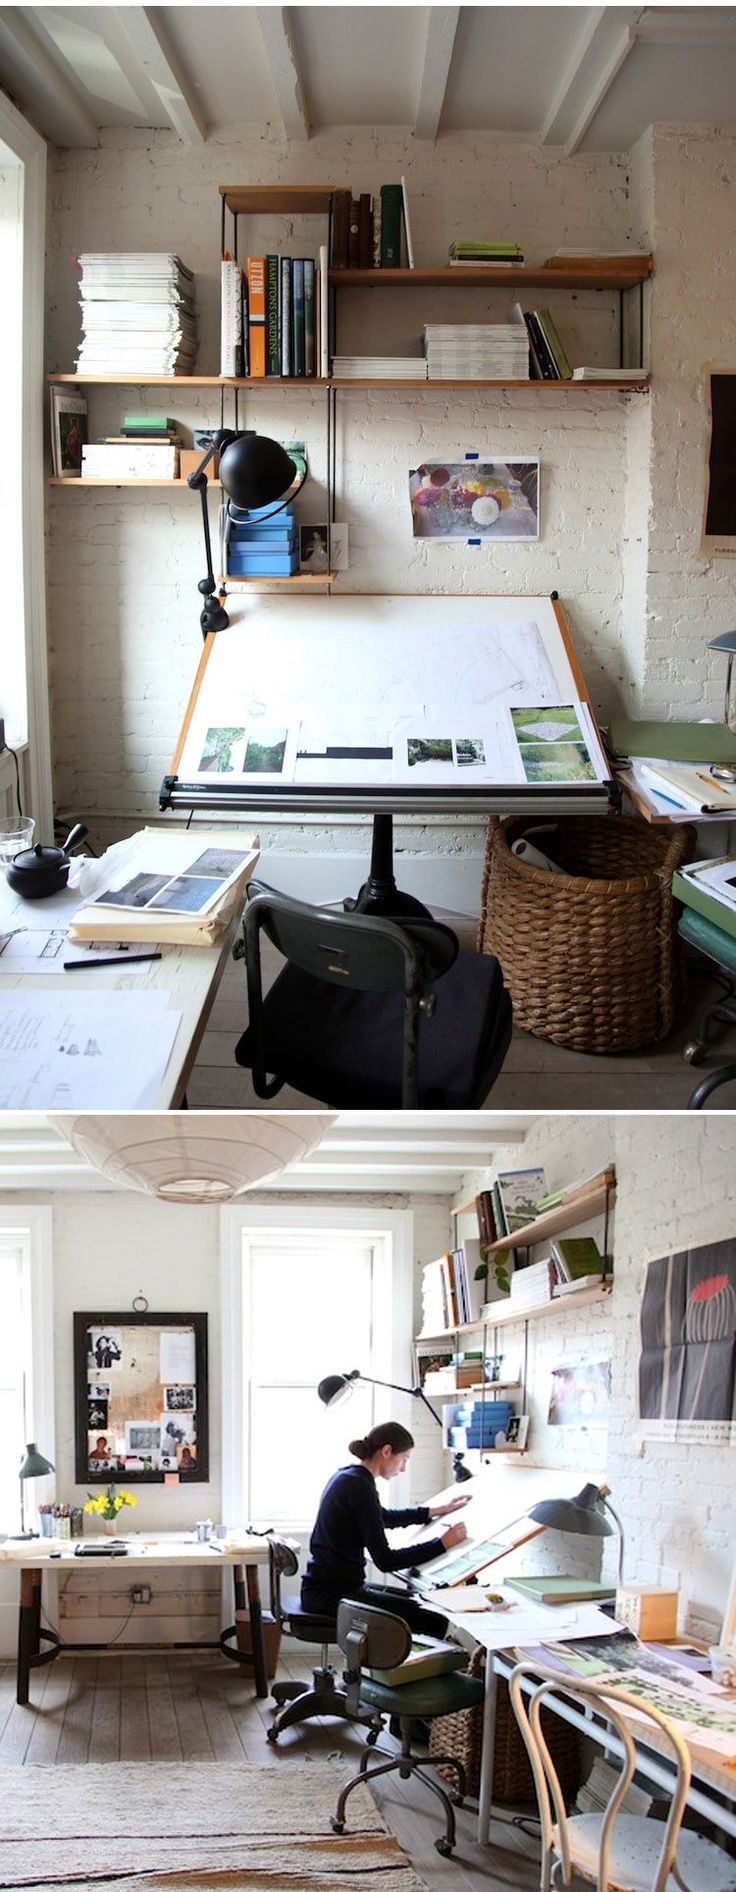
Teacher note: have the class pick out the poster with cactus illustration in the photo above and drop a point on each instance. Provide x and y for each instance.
(475, 500)
(687, 1365)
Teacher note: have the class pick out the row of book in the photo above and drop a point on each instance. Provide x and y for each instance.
(516, 1197)
(147, 447)
(481, 255)
(451, 1295)
(573, 1262)
(273, 317)
(138, 314)
(367, 231)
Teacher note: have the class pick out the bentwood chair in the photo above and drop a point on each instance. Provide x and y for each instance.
(371, 1013)
(374, 1639)
(614, 1851)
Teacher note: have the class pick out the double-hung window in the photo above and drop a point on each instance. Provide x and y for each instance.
(26, 1363)
(307, 1293)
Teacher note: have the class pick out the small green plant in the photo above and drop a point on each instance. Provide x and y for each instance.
(499, 1263)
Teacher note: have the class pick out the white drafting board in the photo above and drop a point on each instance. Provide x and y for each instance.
(357, 700)
(496, 1517)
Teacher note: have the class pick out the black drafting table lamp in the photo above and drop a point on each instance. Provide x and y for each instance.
(33, 1465)
(255, 471)
(338, 1386)
(588, 1514)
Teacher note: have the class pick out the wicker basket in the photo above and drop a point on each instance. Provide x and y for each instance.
(589, 955)
(461, 1735)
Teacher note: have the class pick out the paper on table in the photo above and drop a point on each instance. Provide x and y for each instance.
(26, 949)
(106, 1050)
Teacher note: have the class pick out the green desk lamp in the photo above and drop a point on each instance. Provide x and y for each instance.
(338, 1386)
(588, 1514)
(34, 1465)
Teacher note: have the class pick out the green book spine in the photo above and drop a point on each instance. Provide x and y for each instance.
(148, 423)
(391, 213)
(579, 1254)
(552, 339)
(297, 315)
(702, 902)
(310, 347)
(273, 339)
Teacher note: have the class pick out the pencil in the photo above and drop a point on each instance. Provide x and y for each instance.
(121, 959)
(710, 782)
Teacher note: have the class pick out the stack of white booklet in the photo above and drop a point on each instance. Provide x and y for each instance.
(176, 888)
(379, 368)
(138, 314)
(476, 351)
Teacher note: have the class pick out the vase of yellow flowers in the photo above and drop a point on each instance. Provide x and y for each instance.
(108, 1506)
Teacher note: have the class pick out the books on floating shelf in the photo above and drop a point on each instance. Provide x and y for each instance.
(608, 374)
(478, 255)
(476, 351)
(577, 1258)
(138, 314)
(379, 368)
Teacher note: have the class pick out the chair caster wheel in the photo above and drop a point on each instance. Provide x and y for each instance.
(457, 1799)
(694, 1053)
(444, 1846)
(372, 1737)
(272, 1735)
(338, 1826)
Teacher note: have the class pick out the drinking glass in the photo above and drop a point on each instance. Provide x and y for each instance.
(16, 833)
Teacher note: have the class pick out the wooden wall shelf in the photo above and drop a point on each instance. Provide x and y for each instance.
(507, 1313)
(597, 273)
(578, 1208)
(174, 382)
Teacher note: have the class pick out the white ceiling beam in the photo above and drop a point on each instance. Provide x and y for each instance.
(604, 44)
(664, 26)
(47, 81)
(283, 67)
(161, 68)
(442, 24)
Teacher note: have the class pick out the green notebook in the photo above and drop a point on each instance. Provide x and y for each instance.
(561, 1589)
(672, 742)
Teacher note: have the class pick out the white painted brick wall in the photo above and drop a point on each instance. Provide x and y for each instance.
(123, 604)
(676, 1187)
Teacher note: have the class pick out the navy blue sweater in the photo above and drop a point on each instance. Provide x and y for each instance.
(350, 1522)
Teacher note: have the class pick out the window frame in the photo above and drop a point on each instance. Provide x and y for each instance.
(392, 1227)
(33, 1227)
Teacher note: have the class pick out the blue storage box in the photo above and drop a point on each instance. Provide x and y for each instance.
(262, 520)
(250, 542)
(262, 564)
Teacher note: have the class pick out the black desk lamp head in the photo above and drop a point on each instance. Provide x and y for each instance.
(255, 471)
(338, 1387)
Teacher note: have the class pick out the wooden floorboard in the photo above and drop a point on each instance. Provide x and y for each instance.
(176, 1706)
(536, 1075)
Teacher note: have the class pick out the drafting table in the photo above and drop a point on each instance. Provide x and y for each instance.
(162, 1550)
(347, 687)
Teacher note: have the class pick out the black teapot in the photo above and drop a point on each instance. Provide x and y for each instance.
(39, 871)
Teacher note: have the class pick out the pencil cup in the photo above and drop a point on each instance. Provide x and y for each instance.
(16, 833)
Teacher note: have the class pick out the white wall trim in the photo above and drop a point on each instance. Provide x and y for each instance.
(396, 1225)
(30, 150)
(36, 1224)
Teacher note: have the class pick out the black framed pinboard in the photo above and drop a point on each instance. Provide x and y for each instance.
(140, 1398)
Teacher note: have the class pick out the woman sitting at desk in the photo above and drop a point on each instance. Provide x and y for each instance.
(351, 1521)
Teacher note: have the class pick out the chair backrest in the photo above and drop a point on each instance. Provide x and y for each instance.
(371, 1638)
(282, 1562)
(352, 951)
(612, 1702)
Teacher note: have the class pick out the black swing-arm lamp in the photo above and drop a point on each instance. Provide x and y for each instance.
(338, 1386)
(255, 472)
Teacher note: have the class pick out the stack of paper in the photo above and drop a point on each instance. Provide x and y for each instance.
(178, 889)
(98, 1050)
(476, 351)
(379, 368)
(531, 1286)
(138, 314)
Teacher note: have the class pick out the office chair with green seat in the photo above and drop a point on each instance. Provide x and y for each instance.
(368, 1012)
(614, 1851)
(374, 1639)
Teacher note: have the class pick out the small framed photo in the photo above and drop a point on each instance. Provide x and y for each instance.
(313, 547)
(179, 1398)
(68, 433)
(517, 1430)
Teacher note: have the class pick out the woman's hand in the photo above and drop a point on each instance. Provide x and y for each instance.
(455, 1534)
(443, 1510)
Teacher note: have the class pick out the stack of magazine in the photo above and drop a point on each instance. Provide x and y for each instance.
(476, 351)
(138, 314)
(176, 889)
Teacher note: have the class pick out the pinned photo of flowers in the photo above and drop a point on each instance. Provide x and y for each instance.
(475, 499)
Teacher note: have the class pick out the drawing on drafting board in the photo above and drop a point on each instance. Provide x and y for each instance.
(687, 1366)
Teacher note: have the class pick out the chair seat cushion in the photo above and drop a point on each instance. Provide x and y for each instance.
(345, 1048)
(309, 1625)
(437, 1695)
(635, 1849)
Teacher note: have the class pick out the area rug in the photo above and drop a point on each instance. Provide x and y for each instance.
(169, 1827)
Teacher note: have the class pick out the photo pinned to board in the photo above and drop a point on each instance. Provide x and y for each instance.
(553, 745)
(477, 500)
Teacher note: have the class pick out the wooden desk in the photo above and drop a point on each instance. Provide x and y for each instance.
(189, 974)
(169, 1549)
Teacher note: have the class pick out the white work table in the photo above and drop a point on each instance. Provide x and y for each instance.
(144, 1551)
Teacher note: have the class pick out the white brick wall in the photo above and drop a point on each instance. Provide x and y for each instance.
(123, 604)
(676, 1188)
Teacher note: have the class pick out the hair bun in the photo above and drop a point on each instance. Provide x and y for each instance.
(358, 1448)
